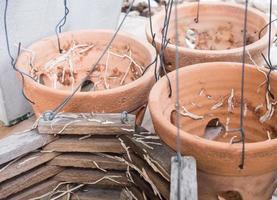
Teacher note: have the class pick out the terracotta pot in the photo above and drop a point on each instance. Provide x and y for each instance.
(129, 96)
(218, 34)
(203, 87)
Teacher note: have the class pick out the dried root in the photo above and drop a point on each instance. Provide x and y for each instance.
(186, 113)
(230, 102)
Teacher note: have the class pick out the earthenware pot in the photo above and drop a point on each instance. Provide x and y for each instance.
(28, 21)
(55, 82)
(218, 35)
(210, 97)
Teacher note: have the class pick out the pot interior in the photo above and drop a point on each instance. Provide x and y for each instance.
(123, 63)
(219, 27)
(210, 103)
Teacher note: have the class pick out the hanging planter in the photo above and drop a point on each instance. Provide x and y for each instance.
(30, 20)
(217, 36)
(209, 117)
(120, 82)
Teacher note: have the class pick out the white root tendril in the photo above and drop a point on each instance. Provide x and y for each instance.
(186, 113)
(228, 119)
(127, 71)
(128, 129)
(85, 137)
(270, 109)
(230, 102)
(107, 86)
(64, 56)
(245, 110)
(258, 107)
(107, 122)
(27, 160)
(269, 104)
(268, 135)
(217, 105)
(68, 124)
(126, 148)
(232, 139)
(130, 58)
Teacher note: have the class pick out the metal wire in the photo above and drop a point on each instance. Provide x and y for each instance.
(262, 29)
(242, 131)
(61, 23)
(13, 60)
(178, 145)
(165, 42)
(153, 35)
(268, 60)
(49, 115)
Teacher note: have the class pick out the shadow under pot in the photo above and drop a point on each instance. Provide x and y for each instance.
(209, 118)
(120, 82)
(217, 36)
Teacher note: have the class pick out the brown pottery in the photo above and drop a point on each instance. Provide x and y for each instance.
(210, 98)
(116, 85)
(218, 35)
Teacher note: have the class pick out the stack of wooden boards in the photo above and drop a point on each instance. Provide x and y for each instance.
(85, 156)
(151, 161)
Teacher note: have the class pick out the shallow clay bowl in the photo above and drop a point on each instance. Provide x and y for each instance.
(127, 97)
(220, 29)
(202, 86)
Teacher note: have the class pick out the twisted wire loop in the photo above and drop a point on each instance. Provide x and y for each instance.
(50, 115)
(61, 23)
(14, 60)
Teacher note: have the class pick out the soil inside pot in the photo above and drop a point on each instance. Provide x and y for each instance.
(218, 35)
(217, 118)
(65, 71)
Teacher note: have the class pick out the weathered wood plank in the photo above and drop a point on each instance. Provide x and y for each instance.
(93, 177)
(187, 177)
(157, 180)
(19, 144)
(131, 193)
(89, 145)
(87, 123)
(149, 147)
(36, 191)
(144, 186)
(87, 160)
(24, 164)
(90, 193)
(27, 180)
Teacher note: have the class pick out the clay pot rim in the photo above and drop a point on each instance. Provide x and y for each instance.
(256, 44)
(147, 75)
(154, 106)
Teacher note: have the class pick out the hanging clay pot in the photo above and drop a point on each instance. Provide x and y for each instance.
(209, 115)
(117, 84)
(218, 35)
